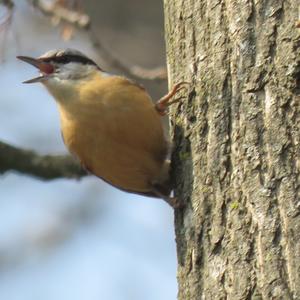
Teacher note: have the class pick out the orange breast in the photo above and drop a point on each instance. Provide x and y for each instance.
(115, 131)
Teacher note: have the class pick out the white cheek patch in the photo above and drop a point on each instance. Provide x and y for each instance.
(73, 71)
(105, 74)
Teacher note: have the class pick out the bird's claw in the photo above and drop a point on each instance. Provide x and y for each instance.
(163, 103)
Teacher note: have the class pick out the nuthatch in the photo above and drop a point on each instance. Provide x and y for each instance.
(109, 122)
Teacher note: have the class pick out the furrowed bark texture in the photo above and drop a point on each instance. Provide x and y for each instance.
(237, 147)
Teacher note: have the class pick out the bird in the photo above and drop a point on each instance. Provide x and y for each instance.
(109, 122)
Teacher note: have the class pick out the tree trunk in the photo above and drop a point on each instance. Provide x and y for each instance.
(236, 159)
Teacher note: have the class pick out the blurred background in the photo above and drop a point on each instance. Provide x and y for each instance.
(78, 239)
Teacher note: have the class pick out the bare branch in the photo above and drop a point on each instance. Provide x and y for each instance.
(60, 12)
(135, 72)
(5, 22)
(74, 17)
(45, 167)
(8, 3)
(159, 73)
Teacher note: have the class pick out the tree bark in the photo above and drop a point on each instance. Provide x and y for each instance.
(236, 159)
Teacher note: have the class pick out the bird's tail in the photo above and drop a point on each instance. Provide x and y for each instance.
(162, 186)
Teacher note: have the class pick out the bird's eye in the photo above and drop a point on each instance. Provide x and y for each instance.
(63, 59)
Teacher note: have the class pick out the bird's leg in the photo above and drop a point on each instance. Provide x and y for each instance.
(163, 103)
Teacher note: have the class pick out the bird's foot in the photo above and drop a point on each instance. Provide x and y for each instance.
(163, 103)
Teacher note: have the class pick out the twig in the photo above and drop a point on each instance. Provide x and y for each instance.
(136, 72)
(159, 73)
(45, 167)
(8, 3)
(5, 23)
(60, 12)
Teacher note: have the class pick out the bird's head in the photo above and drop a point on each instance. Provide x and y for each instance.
(61, 70)
(66, 64)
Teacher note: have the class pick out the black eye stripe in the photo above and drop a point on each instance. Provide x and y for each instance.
(68, 58)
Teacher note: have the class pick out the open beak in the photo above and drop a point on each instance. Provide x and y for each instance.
(44, 68)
